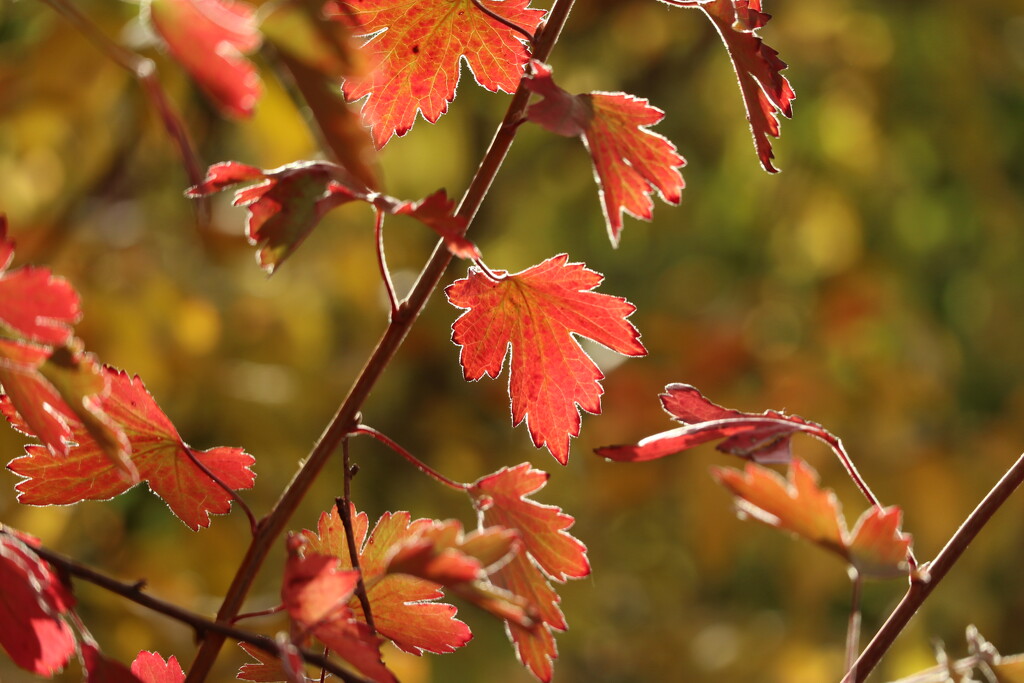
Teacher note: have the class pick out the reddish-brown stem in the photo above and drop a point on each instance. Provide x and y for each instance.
(199, 623)
(261, 613)
(419, 464)
(345, 419)
(382, 263)
(502, 20)
(479, 263)
(937, 569)
(344, 506)
(853, 624)
(217, 480)
(144, 70)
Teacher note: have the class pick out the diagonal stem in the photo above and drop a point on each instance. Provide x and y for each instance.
(937, 569)
(347, 416)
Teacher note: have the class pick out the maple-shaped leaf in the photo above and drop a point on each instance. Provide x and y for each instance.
(630, 162)
(315, 593)
(210, 39)
(159, 455)
(34, 303)
(762, 437)
(437, 212)
(405, 608)
(101, 669)
(551, 555)
(536, 313)
(269, 669)
(502, 499)
(442, 554)
(876, 548)
(766, 92)
(417, 48)
(150, 667)
(32, 601)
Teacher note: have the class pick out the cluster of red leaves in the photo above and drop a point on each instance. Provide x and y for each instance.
(875, 548)
(35, 605)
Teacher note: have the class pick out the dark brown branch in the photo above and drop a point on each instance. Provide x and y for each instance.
(938, 568)
(344, 506)
(200, 624)
(346, 418)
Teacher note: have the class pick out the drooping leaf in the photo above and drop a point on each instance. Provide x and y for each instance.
(288, 202)
(417, 48)
(502, 499)
(150, 667)
(761, 437)
(630, 161)
(405, 608)
(766, 92)
(876, 548)
(536, 313)
(32, 601)
(210, 39)
(101, 669)
(535, 646)
(158, 453)
(316, 592)
(442, 554)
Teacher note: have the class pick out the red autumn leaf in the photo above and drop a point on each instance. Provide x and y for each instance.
(762, 437)
(437, 212)
(31, 604)
(286, 204)
(536, 312)
(209, 38)
(150, 667)
(34, 303)
(316, 592)
(417, 49)
(158, 453)
(876, 548)
(101, 669)
(766, 92)
(405, 608)
(269, 669)
(535, 646)
(502, 498)
(630, 162)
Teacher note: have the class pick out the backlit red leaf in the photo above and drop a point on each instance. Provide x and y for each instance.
(762, 437)
(316, 592)
(766, 92)
(502, 499)
(269, 669)
(417, 48)
(437, 212)
(405, 608)
(32, 601)
(630, 162)
(150, 667)
(536, 313)
(876, 548)
(535, 646)
(209, 38)
(158, 453)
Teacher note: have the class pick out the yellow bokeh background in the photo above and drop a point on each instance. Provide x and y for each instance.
(875, 286)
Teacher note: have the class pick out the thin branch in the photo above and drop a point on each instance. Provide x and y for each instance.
(143, 69)
(382, 263)
(853, 625)
(344, 506)
(502, 20)
(345, 419)
(920, 589)
(419, 464)
(261, 613)
(217, 480)
(200, 624)
(479, 263)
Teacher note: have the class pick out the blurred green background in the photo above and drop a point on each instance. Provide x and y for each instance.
(875, 286)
